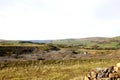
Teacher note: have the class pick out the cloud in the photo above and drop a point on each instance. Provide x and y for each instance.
(55, 19)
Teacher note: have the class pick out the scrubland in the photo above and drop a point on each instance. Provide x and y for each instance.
(51, 69)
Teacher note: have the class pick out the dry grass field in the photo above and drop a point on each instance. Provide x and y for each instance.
(51, 69)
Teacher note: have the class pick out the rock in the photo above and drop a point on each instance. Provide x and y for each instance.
(92, 75)
(99, 73)
(114, 76)
(86, 78)
(118, 65)
(117, 69)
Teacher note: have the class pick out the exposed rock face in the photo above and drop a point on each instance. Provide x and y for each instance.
(110, 73)
(18, 50)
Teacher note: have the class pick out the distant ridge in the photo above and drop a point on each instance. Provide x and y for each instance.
(67, 40)
(95, 38)
(41, 41)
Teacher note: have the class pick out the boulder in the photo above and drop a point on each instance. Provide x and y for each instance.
(117, 69)
(86, 78)
(118, 65)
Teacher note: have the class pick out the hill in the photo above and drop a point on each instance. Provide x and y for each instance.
(41, 41)
(91, 42)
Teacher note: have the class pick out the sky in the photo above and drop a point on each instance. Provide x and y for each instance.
(58, 19)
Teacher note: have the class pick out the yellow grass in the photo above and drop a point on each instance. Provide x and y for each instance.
(50, 70)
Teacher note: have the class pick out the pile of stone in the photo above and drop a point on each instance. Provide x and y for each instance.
(110, 73)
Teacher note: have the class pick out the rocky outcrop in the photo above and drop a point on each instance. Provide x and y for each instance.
(18, 50)
(110, 73)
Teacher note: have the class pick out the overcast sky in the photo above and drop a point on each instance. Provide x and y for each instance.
(58, 19)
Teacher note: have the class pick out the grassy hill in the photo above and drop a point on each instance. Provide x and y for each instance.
(91, 42)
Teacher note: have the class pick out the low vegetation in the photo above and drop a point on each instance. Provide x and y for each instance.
(51, 69)
(90, 43)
